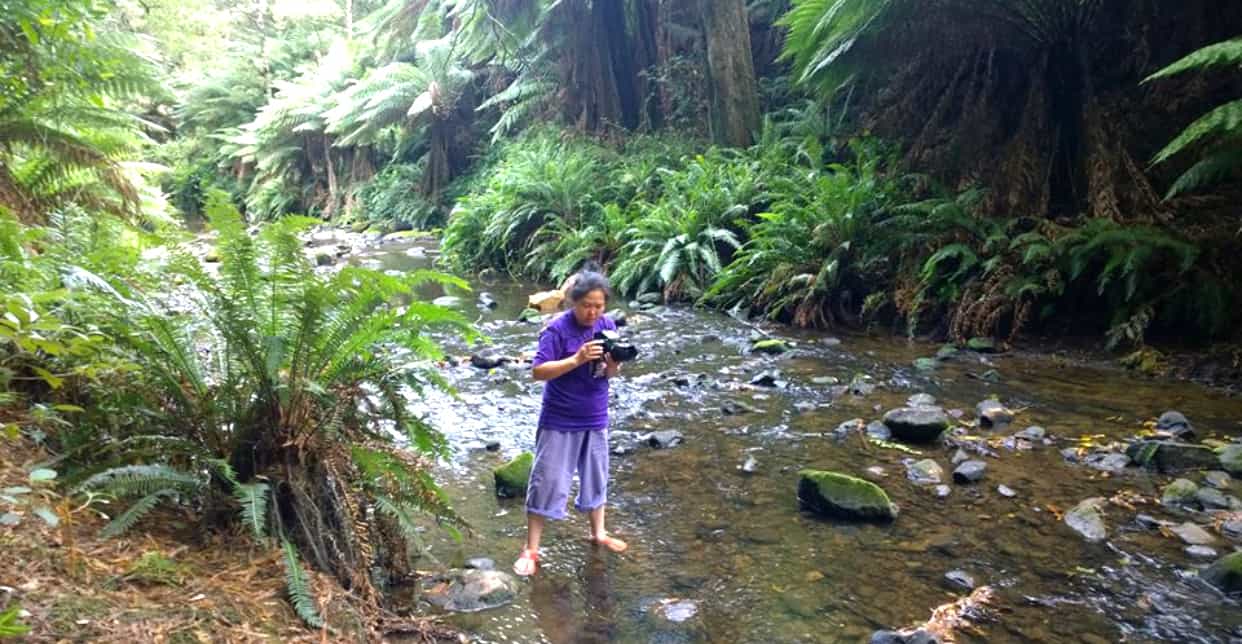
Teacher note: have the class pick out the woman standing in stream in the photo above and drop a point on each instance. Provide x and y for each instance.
(573, 421)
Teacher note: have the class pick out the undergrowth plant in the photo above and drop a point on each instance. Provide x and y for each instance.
(276, 398)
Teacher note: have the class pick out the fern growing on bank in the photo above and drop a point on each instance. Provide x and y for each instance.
(276, 389)
(1218, 133)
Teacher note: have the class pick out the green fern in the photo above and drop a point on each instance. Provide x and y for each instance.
(1220, 129)
(122, 523)
(252, 497)
(296, 584)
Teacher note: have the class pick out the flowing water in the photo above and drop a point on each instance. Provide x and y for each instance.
(730, 552)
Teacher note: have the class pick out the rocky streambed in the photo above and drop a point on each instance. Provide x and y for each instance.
(780, 485)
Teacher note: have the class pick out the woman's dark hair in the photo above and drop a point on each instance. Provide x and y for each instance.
(589, 281)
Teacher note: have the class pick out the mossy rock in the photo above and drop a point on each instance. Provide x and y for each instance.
(772, 346)
(511, 478)
(1171, 456)
(1226, 573)
(925, 364)
(212, 256)
(1179, 492)
(844, 496)
(1231, 459)
(405, 234)
(982, 345)
(946, 352)
(360, 226)
(530, 316)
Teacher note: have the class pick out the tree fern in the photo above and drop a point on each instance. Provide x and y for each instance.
(300, 593)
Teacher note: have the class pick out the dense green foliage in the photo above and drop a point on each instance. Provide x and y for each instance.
(954, 168)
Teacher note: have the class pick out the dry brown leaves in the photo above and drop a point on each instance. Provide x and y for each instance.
(209, 587)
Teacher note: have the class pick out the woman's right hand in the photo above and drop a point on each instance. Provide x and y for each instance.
(589, 352)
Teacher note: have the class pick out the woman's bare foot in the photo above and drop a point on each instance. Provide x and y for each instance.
(610, 542)
(526, 563)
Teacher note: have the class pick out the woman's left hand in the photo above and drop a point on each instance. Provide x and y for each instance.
(612, 366)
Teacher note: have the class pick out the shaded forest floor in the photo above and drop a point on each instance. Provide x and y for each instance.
(173, 582)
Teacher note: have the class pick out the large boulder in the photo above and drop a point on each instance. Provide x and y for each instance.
(511, 478)
(546, 301)
(1226, 573)
(1170, 456)
(917, 424)
(467, 591)
(844, 496)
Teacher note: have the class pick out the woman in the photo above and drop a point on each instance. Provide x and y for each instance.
(573, 423)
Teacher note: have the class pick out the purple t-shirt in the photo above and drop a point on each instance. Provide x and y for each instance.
(576, 401)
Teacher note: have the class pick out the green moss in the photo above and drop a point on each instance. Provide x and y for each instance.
(925, 364)
(1178, 492)
(844, 496)
(772, 346)
(511, 478)
(982, 345)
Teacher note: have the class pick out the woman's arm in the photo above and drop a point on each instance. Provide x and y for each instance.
(553, 369)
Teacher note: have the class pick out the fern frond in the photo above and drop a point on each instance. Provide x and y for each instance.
(252, 497)
(1228, 52)
(131, 516)
(1223, 121)
(299, 588)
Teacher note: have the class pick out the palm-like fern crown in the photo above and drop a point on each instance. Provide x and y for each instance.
(63, 133)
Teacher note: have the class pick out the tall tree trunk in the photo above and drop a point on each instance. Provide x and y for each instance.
(733, 93)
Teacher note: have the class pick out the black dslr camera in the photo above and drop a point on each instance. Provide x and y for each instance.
(613, 345)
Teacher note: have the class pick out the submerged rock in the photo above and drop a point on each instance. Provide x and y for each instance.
(467, 591)
(993, 414)
(925, 472)
(926, 364)
(1175, 423)
(1217, 479)
(530, 316)
(844, 496)
(733, 408)
(1034, 434)
(618, 317)
(1201, 552)
(1230, 459)
(959, 580)
(1087, 519)
(1226, 573)
(848, 427)
(921, 400)
(917, 424)
(487, 360)
(447, 301)
(511, 478)
(663, 439)
(1170, 457)
(1212, 499)
(1193, 534)
(919, 636)
(769, 378)
(487, 301)
(878, 431)
(969, 472)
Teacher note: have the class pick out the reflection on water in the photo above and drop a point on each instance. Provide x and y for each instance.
(735, 546)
